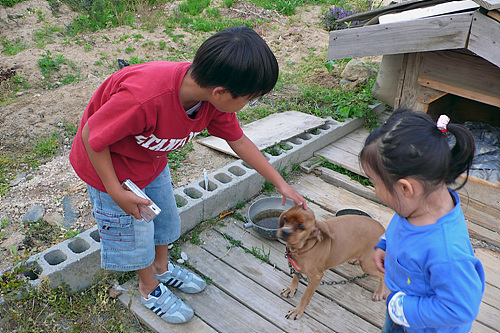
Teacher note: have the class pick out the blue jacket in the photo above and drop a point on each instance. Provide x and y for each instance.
(435, 267)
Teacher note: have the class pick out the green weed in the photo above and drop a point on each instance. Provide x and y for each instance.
(129, 49)
(176, 157)
(277, 149)
(12, 48)
(47, 147)
(49, 64)
(46, 35)
(354, 176)
(9, 3)
(193, 7)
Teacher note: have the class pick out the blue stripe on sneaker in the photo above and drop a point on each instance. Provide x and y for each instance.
(157, 310)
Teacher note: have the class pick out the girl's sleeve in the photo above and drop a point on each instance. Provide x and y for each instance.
(458, 288)
(381, 242)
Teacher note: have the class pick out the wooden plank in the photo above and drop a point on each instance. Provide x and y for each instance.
(495, 14)
(131, 299)
(333, 198)
(347, 160)
(410, 93)
(436, 33)
(439, 9)
(481, 190)
(395, 7)
(489, 4)
(224, 313)
(348, 144)
(349, 296)
(269, 305)
(463, 90)
(343, 181)
(477, 327)
(268, 131)
(483, 39)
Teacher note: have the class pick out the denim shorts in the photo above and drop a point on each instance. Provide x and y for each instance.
(128, 244)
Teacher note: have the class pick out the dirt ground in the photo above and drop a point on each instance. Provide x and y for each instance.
(36, 112)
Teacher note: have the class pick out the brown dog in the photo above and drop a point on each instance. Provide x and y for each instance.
(314, 247)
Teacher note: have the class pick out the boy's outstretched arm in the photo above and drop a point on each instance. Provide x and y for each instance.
(101, 161)
(249, 153)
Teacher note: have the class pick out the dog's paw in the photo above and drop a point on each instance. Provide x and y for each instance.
(354, 262)
(377, 296)
(288, 292)
(294, 314)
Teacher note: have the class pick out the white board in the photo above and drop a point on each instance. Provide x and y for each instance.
(270, 130)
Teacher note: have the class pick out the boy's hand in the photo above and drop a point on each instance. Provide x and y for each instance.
(289, 192)
(128, 201)
(379, 257)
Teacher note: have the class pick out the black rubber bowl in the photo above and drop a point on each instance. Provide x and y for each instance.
(351, 211)
(264, 215)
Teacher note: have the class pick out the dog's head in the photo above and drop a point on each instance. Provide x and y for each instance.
(297, 225)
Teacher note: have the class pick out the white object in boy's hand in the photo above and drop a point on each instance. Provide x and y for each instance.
(148, 213)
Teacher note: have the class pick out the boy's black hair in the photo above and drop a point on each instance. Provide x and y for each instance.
(238, 59)
(409, 144)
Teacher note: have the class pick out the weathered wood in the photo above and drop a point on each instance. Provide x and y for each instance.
(482, 190)
(340, 180)
(439, 9)
(395, 7)
(341, 157)
(226, 314)
(410, 92)
(435, 33)
(483, 39)
(270, 130)
(495, 14)
(489, 4)
(269, 305)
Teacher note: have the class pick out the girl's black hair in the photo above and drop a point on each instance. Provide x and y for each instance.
(238, 59)
(409, 144)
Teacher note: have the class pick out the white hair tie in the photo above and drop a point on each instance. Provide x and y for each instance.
(442, 123)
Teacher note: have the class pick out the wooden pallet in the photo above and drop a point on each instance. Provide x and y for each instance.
(244, 293)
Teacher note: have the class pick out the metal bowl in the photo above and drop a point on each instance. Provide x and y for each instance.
(264, 215)
(351, 211)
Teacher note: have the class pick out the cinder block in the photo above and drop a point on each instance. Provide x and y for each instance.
(75, 262)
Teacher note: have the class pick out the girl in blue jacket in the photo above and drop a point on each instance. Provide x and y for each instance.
(435, 281)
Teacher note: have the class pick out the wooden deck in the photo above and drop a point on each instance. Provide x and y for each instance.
(244, 295)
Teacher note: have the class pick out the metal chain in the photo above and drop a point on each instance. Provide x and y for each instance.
(328, 283)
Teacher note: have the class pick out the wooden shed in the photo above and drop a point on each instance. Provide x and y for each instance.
(438, 57)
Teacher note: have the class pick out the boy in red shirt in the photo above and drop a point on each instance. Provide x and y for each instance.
(134, 119)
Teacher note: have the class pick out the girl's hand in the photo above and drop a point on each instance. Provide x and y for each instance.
(128, 201)
(289, 192)
(379, 257)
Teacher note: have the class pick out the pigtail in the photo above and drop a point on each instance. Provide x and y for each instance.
(462, 154)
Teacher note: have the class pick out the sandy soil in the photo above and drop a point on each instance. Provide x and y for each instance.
(36, 112)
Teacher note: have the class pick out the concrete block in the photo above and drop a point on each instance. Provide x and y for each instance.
(75, 262)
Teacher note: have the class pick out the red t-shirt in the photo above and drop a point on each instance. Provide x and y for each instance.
(137, 113)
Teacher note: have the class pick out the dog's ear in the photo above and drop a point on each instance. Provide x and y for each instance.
(323, 227)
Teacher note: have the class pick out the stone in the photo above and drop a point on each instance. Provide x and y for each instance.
(14, 240)
(356, 70)
(54, 218)
(34, 213)
(70, 215)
